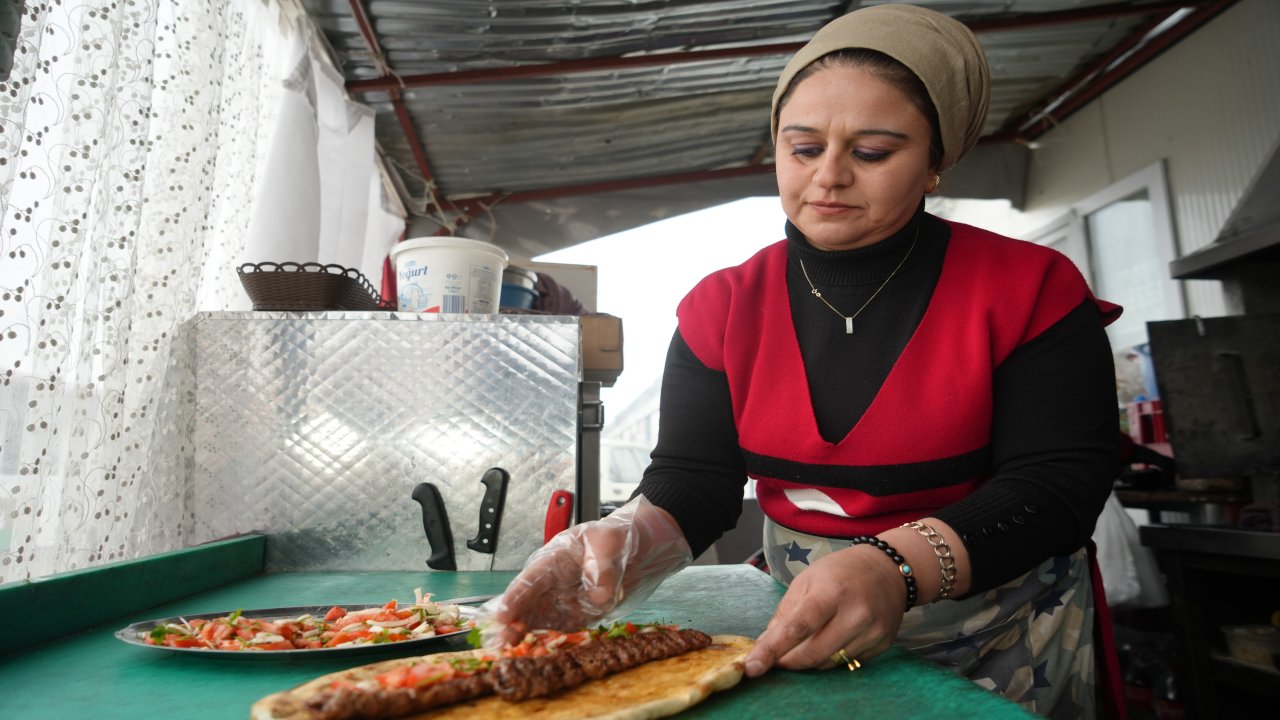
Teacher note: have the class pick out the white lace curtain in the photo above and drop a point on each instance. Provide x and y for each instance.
(138, 144)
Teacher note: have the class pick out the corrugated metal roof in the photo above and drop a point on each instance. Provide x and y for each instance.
(486, 102)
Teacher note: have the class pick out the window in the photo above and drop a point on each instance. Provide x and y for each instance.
(1122, 240)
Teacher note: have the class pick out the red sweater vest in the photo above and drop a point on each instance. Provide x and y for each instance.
(993, 295)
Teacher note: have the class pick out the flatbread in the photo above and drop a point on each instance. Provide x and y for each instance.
(291, 704)
(653, 690)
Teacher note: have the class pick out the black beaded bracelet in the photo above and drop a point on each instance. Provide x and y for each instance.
(903, 566)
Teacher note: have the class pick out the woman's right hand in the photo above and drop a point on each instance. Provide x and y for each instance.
(850, 600)
(589, 573)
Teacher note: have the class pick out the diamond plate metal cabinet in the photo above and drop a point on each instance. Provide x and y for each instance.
(314, 428)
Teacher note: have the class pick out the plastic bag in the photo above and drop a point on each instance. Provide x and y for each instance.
(593, 572)
(1130, 575)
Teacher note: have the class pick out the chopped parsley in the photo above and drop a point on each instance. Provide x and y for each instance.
(159, 632)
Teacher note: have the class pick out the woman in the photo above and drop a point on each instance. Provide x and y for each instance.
(928, 409)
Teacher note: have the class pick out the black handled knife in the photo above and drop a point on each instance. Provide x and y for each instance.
(495, 494)
(435, 521)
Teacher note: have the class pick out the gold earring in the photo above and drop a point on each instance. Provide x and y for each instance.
(933, 184)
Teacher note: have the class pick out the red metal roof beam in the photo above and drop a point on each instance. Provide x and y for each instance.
(1115, 66)
(1088, 14)
(366, 31)
(402, 113)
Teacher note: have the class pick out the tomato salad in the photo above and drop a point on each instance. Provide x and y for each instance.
(338, 628)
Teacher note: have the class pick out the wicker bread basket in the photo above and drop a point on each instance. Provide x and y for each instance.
(307, 286)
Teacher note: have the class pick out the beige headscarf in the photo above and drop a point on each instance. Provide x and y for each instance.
(941, 51)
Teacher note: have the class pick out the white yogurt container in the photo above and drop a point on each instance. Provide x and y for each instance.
(448, 275)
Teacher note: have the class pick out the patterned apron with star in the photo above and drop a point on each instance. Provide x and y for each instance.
(1030, 639)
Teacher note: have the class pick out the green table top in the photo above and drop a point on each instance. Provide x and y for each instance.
(92, 674)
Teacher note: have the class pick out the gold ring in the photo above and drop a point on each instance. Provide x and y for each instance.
(841, 656)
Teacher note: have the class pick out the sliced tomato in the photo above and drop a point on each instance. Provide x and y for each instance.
(424, 674)
(355, 617)
(334, 613)
(265, 626)
(216, 632)
(396, 678)
(277, 645)
(182, 641)
(346, 637)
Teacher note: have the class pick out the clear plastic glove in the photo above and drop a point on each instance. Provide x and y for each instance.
(593, 572)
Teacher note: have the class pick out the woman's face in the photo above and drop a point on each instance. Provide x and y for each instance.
(852, 158)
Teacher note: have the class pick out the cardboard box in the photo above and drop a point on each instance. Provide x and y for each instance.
(601, 348)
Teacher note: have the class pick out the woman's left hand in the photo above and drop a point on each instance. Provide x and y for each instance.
(850, 600)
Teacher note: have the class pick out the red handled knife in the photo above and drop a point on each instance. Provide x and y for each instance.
(559, 514)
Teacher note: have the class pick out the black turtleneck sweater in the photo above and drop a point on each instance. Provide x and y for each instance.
(1055, 427)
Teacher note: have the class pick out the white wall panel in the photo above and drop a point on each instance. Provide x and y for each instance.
(1067, 164)
(1209, 106)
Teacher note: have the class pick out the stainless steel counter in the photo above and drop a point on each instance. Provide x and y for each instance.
(1212, 540)
(314, 429)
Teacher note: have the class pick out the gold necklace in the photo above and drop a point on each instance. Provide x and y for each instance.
(848, 319)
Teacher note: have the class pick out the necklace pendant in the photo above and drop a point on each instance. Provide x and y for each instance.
(848, 326)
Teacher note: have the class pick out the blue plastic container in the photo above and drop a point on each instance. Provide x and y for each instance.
(518, 288)
(516, 296)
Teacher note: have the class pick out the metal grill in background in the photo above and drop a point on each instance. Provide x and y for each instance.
(314, 428)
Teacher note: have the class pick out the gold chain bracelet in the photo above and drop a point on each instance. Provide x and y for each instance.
(946, 561)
